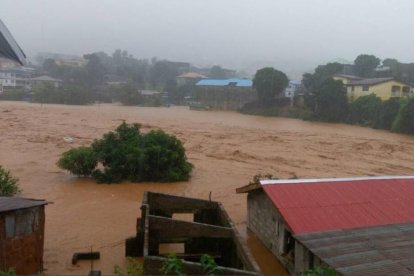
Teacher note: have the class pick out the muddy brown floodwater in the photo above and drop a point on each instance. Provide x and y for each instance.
(226, 148)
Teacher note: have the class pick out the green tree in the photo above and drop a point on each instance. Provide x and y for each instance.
(217, 72)
(47, 93)
(323, 72)
(404, 122)
(127, 94)
(96, 70)
(8, 184)
(330, 101)
(80, 161)
(365, 110)
(365, 65)
(268, 83)
(387, 113)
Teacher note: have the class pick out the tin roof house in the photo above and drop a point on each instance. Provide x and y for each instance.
(357, 226)
(22, 224)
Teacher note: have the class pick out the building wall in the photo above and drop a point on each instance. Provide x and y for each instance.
(264, 220)
(382, 90)
(226, 97)
(22, 240)
(267, 224)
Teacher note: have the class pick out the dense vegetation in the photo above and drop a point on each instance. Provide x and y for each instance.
(8, 184)
(268, 83)
(127, 154)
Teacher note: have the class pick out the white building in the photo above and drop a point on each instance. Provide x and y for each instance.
(15, 78)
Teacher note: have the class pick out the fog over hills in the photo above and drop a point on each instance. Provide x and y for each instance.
(293, 35)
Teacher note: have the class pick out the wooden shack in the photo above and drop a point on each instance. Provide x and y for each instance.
(208, 231)
(303, 221)
(22, 225)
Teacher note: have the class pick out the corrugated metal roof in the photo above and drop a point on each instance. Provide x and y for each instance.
(226, 82)
(370, 81)
(320, 205)
(379, 250)
(16, 203)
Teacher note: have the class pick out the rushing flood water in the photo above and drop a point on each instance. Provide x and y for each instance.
(226, 148)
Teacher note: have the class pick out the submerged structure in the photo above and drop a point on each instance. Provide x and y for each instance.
(356, 226)
(208, 231)
(22, 227)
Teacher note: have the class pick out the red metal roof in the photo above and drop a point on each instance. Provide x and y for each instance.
(329, 204)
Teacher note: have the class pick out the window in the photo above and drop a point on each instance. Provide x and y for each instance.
(365, 88)
(352, 88)
(406, 90)
(395, 90)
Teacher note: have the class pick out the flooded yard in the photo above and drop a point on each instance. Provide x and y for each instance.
(226, 149)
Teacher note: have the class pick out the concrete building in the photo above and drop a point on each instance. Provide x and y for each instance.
(15, 78)
(229, 94)
(22, 224)
(291, 90)
(301, 220)
(383, 88)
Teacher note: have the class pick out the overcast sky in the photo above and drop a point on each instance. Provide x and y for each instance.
(292, 35)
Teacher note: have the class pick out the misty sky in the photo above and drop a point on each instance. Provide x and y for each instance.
(291, 35)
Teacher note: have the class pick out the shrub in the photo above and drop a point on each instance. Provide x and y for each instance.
(126, 154)
(80, 161)
(134, 268)
(13, 95)
(319, 271)
(363, 111)
(404, 122)
(8, 184)
(209, 265)
(172, 265)
(387, 113)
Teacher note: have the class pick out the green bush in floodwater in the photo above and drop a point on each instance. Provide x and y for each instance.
(80, 161)
(8, 184)
(126, 154)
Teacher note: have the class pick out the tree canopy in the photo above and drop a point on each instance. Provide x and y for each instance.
(269, 82)
(330, 102)
(365, 65)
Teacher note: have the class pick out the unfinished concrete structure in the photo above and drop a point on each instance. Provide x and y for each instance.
(230, 94)
(304, 222)
(22, 224)
(209, 232)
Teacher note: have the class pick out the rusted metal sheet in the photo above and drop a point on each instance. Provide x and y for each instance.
(16, 203)
(378, 250)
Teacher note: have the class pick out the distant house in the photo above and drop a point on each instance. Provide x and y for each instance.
(337, 222)
(71, 61)
(22, 227)
(15, 78)
(229, 94)
(45, 79)
(190, 78)
(292, 90)
(383, 88)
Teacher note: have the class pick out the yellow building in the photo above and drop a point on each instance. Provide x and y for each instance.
(383, 88)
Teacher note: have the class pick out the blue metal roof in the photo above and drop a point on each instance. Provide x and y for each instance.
(227, 82)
